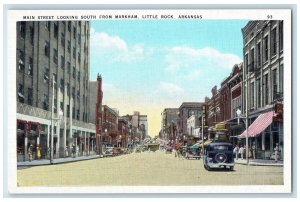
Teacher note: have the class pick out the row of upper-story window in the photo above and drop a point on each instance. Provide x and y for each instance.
(23, 24)
(21, 67)
(265, 90)
(45, 102)
(264, 49)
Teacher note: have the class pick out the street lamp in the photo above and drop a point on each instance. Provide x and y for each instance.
(239, 114)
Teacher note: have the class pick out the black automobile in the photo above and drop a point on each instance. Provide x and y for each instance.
(218, 155)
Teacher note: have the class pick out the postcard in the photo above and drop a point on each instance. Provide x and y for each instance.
(149, 101)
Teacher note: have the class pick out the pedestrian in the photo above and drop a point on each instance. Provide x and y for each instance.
(66, 151)
(253, 150)
(73, 150)
(241, 152)
(236, 152)
(77, 150)
(30, 152)
(276, 149)
(38, 152)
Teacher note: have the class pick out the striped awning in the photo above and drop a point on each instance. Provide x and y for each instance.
(259, 125)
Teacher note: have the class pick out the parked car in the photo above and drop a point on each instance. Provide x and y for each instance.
(193, 152)
(218, 155)
(108, 151)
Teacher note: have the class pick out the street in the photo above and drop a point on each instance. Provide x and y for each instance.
(146, 168)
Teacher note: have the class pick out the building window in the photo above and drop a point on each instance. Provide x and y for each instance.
(69, 26)
(30, 96)
(246, 63)
(266, 84)
(46, 102)
(23, 29)
(251, 68)
(69, 67)
(274, 41)
(79, 38)
(68, 89)
(68, 110)
(62, 85)
(281, 35)
(46, 75)
(30, 65)
(69, 46)
(266, 49)
(78, 114)
(73, 92)
(55, 32)
(252, 95)
(78, 76)
(74, 72)
(55, 55)
(74, 52)
(258, 81)
(47, 24)
(62, 106)
(258, 54)
(275, 84)
(47, 49)
(79, 57)
(73, 112)
(21, 60)
(62, 39)
(74, 32)
(62, 62)
(78, 95)
(21, 93)
(31, 35)
(55, 80)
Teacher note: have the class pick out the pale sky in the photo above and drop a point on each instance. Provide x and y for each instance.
(147, 66)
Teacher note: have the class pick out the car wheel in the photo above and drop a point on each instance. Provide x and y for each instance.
(231, 168)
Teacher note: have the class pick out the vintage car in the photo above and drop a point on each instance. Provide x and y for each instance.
(193, 152)
(218, 155)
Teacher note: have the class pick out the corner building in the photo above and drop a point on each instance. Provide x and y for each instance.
(262, 86)
(53, 71)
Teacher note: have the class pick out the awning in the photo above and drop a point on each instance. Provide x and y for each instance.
(259, 125)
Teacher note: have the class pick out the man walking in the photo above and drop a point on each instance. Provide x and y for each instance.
(241, 152)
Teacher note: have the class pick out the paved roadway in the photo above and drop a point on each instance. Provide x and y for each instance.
(147, 168)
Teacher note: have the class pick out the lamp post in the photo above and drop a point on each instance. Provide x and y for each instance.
(238, 112)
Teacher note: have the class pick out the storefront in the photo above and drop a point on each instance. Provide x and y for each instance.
(263, 135)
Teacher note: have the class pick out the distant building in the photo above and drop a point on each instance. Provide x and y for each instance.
(109, 126)
(170, 123)
(186, 110)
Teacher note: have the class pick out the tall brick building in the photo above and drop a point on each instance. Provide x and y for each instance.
(53, 55)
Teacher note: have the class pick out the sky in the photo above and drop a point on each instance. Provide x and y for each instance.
(147, 66)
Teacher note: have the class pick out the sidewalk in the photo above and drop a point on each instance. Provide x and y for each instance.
(259, 162)
(55, 161)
